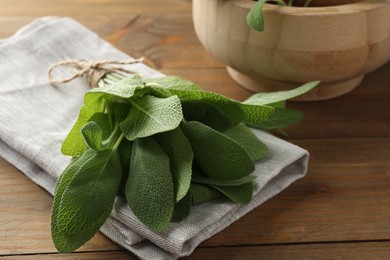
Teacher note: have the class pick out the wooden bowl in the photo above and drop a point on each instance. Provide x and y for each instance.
(336, 44)
(324, 2)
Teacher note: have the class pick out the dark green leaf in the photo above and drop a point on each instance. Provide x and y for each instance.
(193, 111)
(213, 115)
(200, 179)
(238, 194)
(247, 139)
(177, 147)
(85, 200)
(217, 155)
(229, 107)
(124, 151)
(201, 193)
(149, 186)
(120, 110)
(281, 118)
(256, 113)
(59, 239)
(182, 208)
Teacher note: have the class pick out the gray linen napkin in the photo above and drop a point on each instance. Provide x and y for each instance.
(35, 117)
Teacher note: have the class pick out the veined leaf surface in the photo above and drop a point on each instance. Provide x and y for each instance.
(248, 140)
(178, 148)
(151, 115)
(217, 155)
(85, 200)
(149, 186)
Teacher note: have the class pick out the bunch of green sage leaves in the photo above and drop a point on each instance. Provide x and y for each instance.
(164, 145)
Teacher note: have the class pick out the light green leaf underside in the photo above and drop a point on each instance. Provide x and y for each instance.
(124, 88)
(171, 82)
(151, 115)
(279, 96)
(255, 18)
(74, 144)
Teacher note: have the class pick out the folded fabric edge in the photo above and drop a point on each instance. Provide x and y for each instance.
(286, 177)
(30, 169)
(29, 28)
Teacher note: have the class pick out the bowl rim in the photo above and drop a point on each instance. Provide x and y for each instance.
(361, 6)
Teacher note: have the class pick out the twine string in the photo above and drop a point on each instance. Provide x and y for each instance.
(92, 71)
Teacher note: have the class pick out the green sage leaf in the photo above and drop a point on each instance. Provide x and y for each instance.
(149, 186)
(238, 194)
(171, 82)
(177, 147)
(228, 106)
(74, 144)
(193, 111)
(255, 17)
(104, 122)
(120, 110)
(211, 114)
(280, 118)
(217, 155)
(59, 238)
(201, 193)
(256, 113)
(124, 151)
(182, 208)
(247, 139)
(274, 97)
(122, 89)
(200, 179)
(151, 115)
(87, 200)
(93, 136)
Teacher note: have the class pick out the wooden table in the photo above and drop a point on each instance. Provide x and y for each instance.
(339, 211)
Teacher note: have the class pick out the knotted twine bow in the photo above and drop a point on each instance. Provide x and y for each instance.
(92, 71)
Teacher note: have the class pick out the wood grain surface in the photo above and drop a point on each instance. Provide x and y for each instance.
(340, 210)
